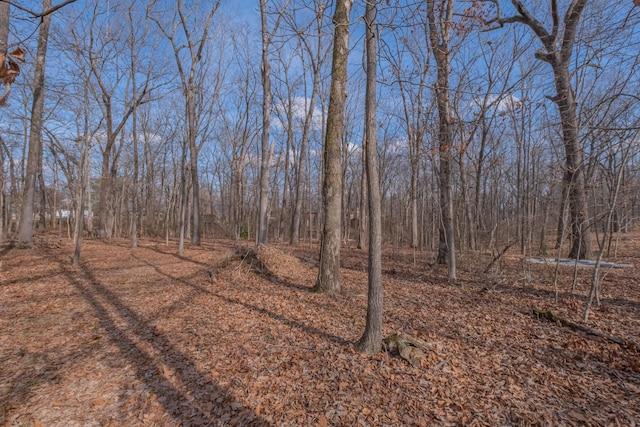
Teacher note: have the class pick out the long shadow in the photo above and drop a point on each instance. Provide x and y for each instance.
(32, 279)
(544, 293)
(276, 280)
(178, 256)
(47, 367)
(280, 318)
(7, 249)
(187, 394)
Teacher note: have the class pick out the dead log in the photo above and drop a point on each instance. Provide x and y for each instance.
(552, 317)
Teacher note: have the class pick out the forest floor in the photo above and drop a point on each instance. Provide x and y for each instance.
(144, 337)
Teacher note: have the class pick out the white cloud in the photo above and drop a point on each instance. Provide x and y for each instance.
(299, 106)
(508, 102)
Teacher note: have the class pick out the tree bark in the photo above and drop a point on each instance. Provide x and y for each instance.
(362, 223)
(34, 159)
(371, 340)
(329, 271)
(439, 34)
(4, 27)
(557, 52)
(265, 163)
(316, 59)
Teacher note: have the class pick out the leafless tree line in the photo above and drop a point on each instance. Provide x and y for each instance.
(496, 124)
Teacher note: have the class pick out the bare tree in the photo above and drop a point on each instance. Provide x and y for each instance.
(100, 48)
(316, 57)
(371, 340)
(188, 67)
(263, 213)
(410, 66)
(557, 51)
(34, 159)
(266, 148)
(440, 25)
(329, 270)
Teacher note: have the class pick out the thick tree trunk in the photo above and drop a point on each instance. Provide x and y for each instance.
(371, 340)
(329, 271)
(557, 52)
(574, 167)
(34, 159)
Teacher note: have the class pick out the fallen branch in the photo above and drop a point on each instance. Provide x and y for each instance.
(552, 317)
(497, 257)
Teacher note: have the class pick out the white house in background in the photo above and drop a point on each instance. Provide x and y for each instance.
(66, 213)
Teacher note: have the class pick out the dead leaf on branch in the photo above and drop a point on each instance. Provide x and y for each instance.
(9, 71)
(18, 54)
(9, 68)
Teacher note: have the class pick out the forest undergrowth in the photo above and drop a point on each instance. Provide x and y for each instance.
(234, 336)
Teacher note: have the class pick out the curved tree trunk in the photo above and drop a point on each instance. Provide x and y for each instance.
(557, 52)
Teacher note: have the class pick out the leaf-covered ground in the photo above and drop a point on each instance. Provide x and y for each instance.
(145, 337)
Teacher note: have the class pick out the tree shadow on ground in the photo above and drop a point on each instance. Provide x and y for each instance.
(273, 315)
(191, 397)
(41, 367)
(272, 277)
(7, 248)
(549, 294)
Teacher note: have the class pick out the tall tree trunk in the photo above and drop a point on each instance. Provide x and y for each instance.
(84, 175)
(195, 178)
(557, 52)
(4, 28)
(182, 215)
(362, 223)
(574, 166)
(329, 270)
(414, 202)
(439, 34)
(371, 340)
(3, 210)
(263, 220)
(34, 159)
(285, 186)
(316, 63)
(134, 196)
(297, 210)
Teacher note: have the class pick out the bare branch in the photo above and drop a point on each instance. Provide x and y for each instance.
(571, 20)
(40, 14)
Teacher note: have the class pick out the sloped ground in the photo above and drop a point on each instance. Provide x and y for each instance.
(145, 337)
